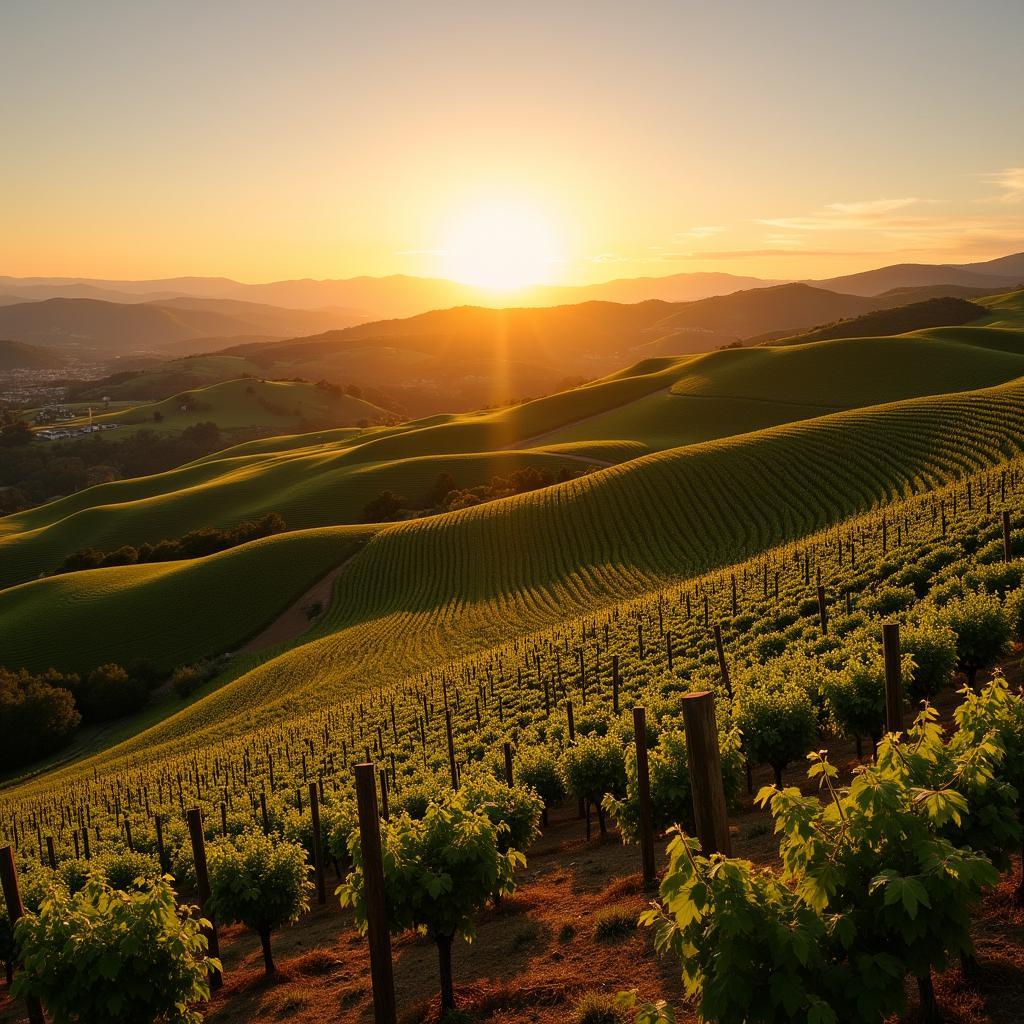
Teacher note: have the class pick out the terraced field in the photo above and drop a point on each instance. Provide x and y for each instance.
(445, 587)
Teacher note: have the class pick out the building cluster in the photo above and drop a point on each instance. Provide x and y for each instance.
(64, 433)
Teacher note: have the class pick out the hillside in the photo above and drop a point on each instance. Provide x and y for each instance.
(915, 316)
(1004, 272)
(16, 355)
(657, 405)
(247, 402)
(96, 325)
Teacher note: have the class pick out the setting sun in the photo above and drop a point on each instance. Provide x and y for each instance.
(501, 245)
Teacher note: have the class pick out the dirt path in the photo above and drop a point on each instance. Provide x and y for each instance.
(294, 621)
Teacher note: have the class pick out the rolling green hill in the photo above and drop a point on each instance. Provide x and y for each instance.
(701, 461)
(428, 590)
(247, 402)
(326, 479)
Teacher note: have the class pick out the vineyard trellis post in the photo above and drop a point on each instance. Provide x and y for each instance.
(318, 846)
(16, 910)
(709, 811)
(506, 749)
(723, 667)
(643, 781)
(194, 817)
(1007, 546)
(893, 677)
(378, 934)
(615, 684)
(451, 749)
(822, 610)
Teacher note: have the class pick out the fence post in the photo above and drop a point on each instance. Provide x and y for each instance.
(506, 749)
(644, 792)
(381, 971)
(1007, 548)
(15, 910)
(318, 847)
(702, 753)
(194, 816)
(451, 749)
(893, 677)
(723, 668)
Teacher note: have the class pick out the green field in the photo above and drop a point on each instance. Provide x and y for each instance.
(241, 404)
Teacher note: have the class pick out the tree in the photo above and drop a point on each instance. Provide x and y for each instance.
(439, 872)
(778, 724)
(595, 767)
(983, 632)
(384, 507)
(120, 957)
(259, 882)
(14, 431)
(108, 692)
(37, 716)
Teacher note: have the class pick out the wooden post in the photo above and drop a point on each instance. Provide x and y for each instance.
(615, 684)
(451, 750)
(893, 677)
(723, 668)
(385, 810)
(51, 854)
(381, 971)
(822, 610)
(644, 789)
(709, 811)
(570, 721)
(16, 910)
(195, 831)
(1007, 548)
(506, 749)
(318, 844)
(160, 849)
(263, 813)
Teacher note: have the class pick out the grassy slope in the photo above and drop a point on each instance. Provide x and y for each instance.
(429, 590)
(168, 612)
(326, 479)
(239, 403)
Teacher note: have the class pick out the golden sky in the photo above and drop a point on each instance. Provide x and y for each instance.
(565, 142)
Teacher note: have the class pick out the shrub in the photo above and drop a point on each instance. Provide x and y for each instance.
(439, 873)
(613, 924)
(598, 1008)
(118, 957)
(593, 768)
(123, 869)
(108, 692)
(982, 629)
(932, 646)
(36, 717)
(778, 724)
(1014, 609)
(259, 882)
(514, 810)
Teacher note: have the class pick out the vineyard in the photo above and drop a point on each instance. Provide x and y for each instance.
(527, 671)
(789, 642)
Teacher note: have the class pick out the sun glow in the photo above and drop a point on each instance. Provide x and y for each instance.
(501, 246)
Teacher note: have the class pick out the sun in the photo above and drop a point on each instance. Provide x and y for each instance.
(501, 245)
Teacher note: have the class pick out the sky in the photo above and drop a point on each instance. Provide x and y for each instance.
(552, 141)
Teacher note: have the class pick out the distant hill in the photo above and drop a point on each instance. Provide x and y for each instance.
(16, 355)
(467, 357)
(96, 325)
(1005, 272)
(277, 406)
(398, 295)
(916, 316)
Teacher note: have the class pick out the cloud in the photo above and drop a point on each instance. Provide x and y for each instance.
(869, 206)
(700, 232)
(1011, 181)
